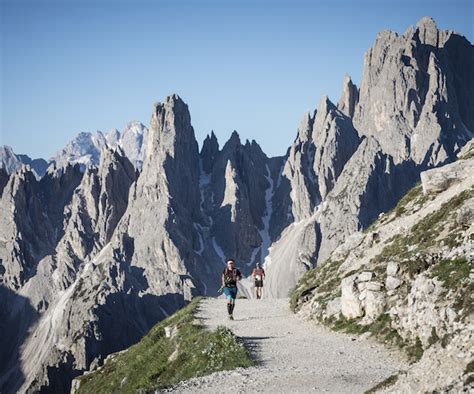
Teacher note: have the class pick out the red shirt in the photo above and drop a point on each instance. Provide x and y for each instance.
(258, 272)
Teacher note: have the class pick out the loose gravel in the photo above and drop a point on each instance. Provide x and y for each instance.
(293, 355)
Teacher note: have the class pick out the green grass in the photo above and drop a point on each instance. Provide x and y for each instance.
(415, 350)
(380, 328)
(433, 337)
(452, 272)
(412, 195)
(425, 233)
(390, 381)
(149, 364)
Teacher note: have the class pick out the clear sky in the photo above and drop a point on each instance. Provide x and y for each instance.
(254, 66)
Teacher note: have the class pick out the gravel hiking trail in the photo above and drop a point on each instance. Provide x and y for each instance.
(293, 355)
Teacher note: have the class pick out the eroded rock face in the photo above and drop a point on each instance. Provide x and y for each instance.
(31, 217)
(422, 71)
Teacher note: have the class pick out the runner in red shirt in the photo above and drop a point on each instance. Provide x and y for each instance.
(259, 275)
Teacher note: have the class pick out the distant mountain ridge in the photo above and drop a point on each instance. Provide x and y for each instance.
(95, 252)
(84, 149)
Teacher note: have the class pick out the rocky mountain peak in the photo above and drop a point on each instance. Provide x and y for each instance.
(428, 31)
(306, 125)
(112, 137)
(349, 97)
(233, 141)
(170, 128)
(325, 107)
(209, 151)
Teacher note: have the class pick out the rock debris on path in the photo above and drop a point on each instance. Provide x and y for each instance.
(293, 355)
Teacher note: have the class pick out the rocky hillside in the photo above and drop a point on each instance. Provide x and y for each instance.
(125, 228)
(408, 280)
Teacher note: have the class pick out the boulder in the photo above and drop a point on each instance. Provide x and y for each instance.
(365, 276)
(392, 268)
(438, 180)
(333, 308)
(370, 286)
(392, 283)
(374, 304)
(351, 306)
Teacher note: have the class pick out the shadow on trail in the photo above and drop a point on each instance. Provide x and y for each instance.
(254, 346)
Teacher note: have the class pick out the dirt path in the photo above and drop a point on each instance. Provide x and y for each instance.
(294, 356)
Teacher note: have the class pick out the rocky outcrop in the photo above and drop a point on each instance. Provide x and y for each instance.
(438, 180)
(406, 281)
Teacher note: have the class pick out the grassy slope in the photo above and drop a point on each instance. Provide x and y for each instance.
(158, 362)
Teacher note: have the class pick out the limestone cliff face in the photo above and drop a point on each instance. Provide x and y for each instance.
(31, 216)
(411, 98)
(350, 163)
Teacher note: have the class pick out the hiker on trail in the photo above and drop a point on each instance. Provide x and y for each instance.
(230, 276)
(258, 275)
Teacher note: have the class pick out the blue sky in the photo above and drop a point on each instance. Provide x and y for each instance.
(254, 66)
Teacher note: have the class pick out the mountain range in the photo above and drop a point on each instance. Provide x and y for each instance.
(122, 229)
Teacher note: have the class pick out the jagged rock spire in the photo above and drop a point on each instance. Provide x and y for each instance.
(349, 98)
(209, 151)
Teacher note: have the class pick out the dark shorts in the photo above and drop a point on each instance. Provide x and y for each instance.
(259, 283)
(230, 292)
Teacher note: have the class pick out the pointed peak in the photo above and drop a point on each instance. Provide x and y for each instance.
(173, 98)
(171, 102)
(428, 31)
(325, 105)
(111, 155)
(210, 144)
(306, 118)
(427, 22)
(233, 142)
(349, 97)
(347, 79)
(211, 139)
